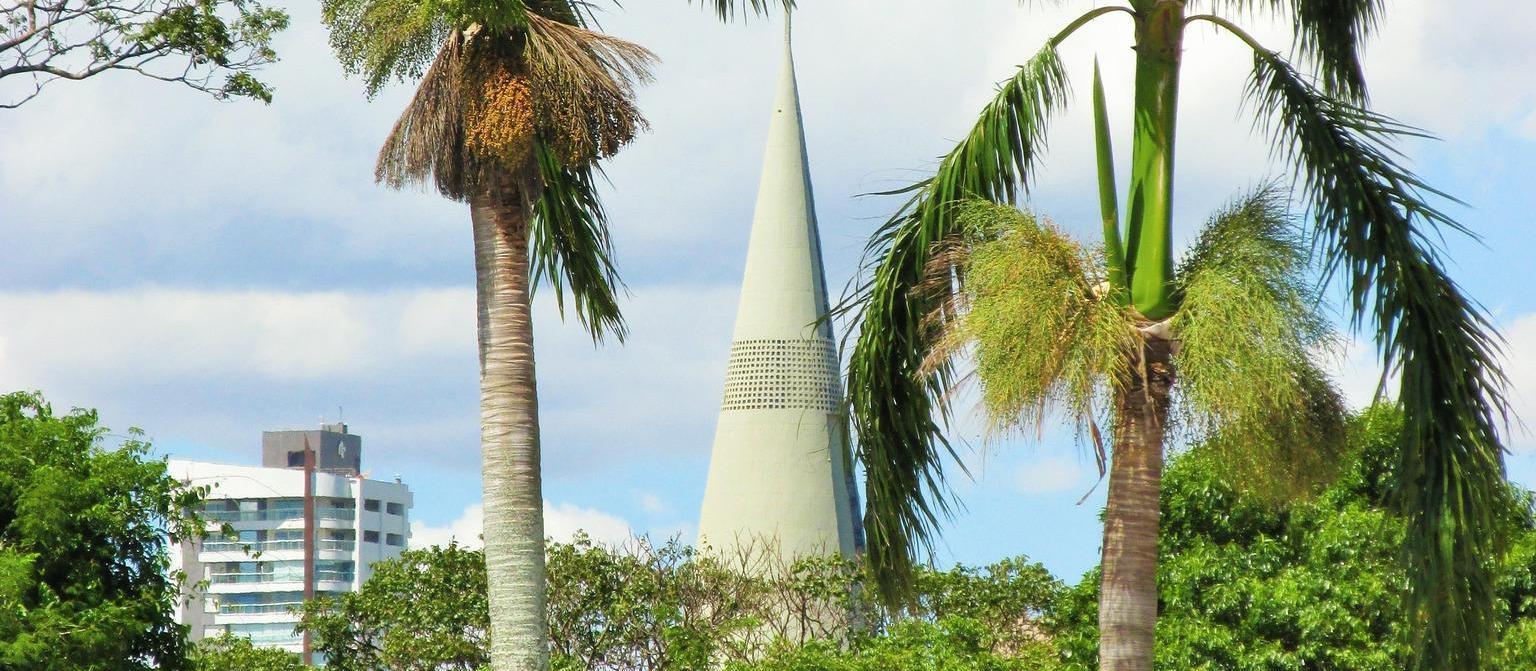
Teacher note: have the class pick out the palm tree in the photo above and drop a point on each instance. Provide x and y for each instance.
(517, 104)
(1372, 224)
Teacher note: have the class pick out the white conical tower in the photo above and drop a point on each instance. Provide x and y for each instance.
(779, 472)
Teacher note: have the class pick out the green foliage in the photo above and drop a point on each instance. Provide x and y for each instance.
(951, 644)
(901, 442)
(236, 653)
(386, 39)
(570, 245)
(1251, 584)
(1374, 223)
(1250, 333)
(1033, 313)
(727, 10)
(425, 610)
(84, 532)
(1109, 207)
(186, 41)
(1331, 35)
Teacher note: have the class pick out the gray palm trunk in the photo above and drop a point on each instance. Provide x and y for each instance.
(1128, 591)
(509, 433)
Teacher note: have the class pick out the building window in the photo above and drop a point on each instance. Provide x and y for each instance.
(371, 505)
(370, 536)
(394, 539)
(295, 460)
(394, 508)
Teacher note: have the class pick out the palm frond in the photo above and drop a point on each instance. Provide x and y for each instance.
(1329, 34)
(583, 88)
(1034, 316)
(1375, 223)
(1109, 207)
(427, 141)
(385, 39)
(570, 246)
(894, 404)
(726, 10)
(1249, 331)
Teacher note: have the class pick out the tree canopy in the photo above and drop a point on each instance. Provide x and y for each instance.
(85, 582)
(1252, 583)
(213, 46)
(231, 652)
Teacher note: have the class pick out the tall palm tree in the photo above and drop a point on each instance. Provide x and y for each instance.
(1373, 223)
(517, 104)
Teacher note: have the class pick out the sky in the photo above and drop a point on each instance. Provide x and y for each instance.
(207, 270)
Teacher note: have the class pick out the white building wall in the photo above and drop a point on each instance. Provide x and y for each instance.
(249, 590)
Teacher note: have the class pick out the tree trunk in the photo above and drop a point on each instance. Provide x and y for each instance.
(1128, 592)
(509, 434)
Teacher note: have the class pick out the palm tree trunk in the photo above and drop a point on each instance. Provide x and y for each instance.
(1128, 592)
(509, 433)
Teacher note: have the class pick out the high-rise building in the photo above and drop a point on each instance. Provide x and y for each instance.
(256, 577)
(781, 473)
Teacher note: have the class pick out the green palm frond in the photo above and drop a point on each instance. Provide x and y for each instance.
(570, 246)
(1375, 224)
(727, 10)
(1034, 316)
(1329, 34)
(894, 405)
(1249, 331)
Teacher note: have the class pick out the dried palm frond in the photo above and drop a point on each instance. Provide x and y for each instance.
(583, 88)
(428, 139)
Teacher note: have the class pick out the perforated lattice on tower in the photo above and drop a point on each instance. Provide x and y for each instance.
(771, 374)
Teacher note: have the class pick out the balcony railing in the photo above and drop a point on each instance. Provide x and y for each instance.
(257, 609)
(244, 578)
(281, 515)
(274, 546)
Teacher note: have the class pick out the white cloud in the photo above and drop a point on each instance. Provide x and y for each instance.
(652, 503)
(561, 522)
(1051, 475)
(169, 333)
(464, 530)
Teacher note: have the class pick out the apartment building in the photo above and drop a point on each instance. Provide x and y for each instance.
(255, 577)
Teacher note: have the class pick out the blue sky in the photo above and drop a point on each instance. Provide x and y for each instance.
(209, 270)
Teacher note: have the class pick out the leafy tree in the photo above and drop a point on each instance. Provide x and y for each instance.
(1249, 583)
(641, 607)
(85, 582)
(423, 611)
(191, 42)
(665, 607)
(1107, 340)
(952, 644)
(517, 104)
(236, 653)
